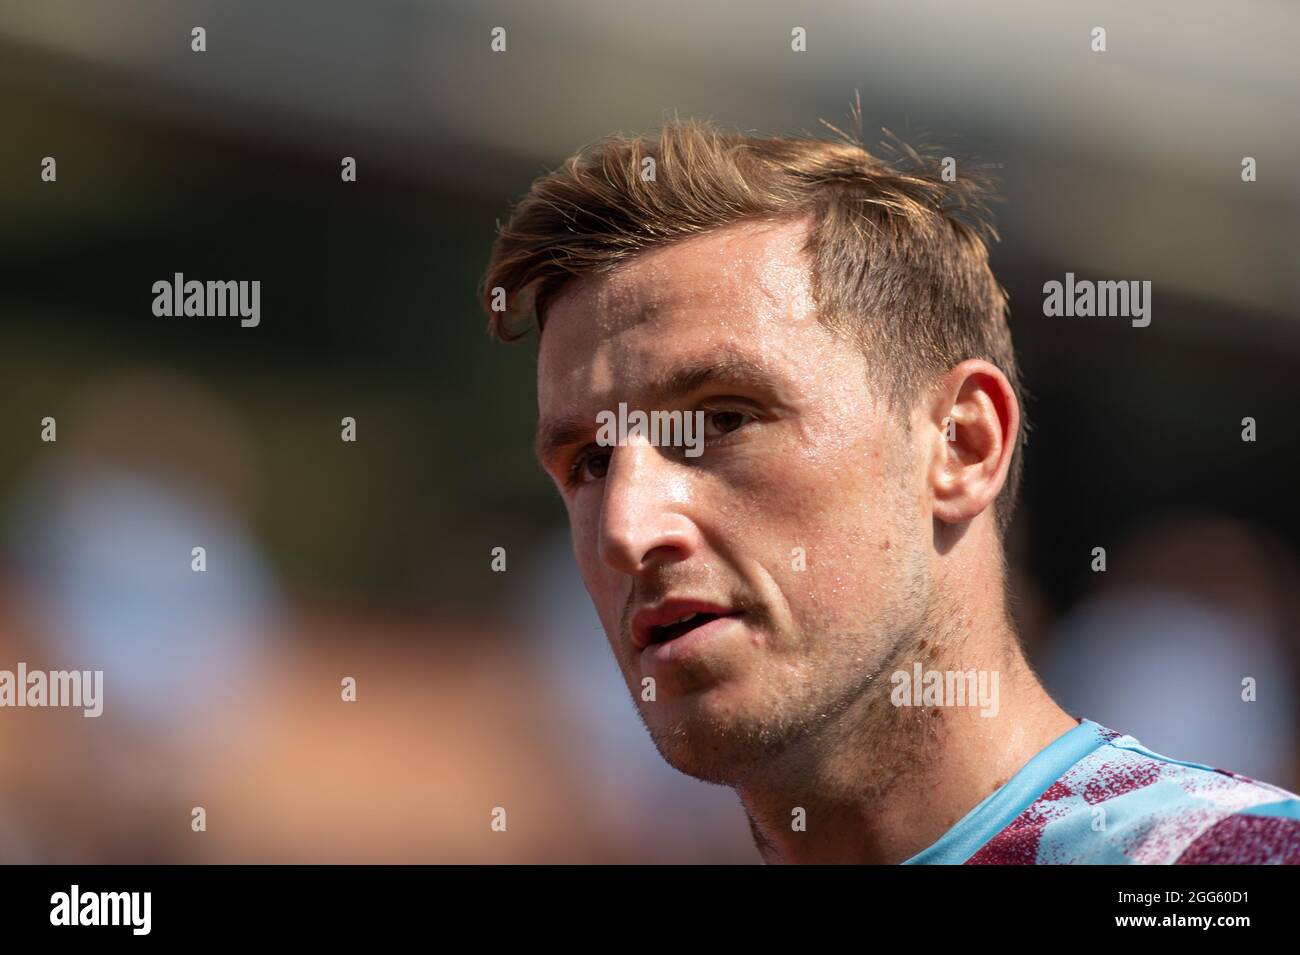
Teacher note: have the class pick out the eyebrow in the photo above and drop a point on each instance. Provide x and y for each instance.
(727, 366)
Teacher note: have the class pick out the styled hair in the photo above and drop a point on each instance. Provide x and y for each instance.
(897, 242)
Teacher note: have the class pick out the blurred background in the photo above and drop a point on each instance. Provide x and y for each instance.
(372, 559)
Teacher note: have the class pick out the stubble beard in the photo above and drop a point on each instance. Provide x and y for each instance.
(842, 706)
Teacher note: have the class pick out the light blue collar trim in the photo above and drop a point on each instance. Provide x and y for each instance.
(1002, 805)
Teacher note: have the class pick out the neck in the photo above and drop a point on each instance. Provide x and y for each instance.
(887, 780)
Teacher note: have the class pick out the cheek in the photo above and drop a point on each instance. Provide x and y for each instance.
(598, 578)
(582, 533)
(829, 529)
(837, 496)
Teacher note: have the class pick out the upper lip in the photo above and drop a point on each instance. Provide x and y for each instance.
(670, 611)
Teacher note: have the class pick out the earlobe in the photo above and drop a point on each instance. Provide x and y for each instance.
(975, 421)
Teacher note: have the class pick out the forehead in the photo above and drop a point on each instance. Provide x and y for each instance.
(746, 287)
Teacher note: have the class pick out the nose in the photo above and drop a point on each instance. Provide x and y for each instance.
(643, 518)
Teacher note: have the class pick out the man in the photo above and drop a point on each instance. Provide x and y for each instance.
(812, 610)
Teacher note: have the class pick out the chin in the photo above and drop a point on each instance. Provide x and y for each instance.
(700, 760)
(697, 736)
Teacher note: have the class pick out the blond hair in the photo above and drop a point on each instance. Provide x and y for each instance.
(898, 252)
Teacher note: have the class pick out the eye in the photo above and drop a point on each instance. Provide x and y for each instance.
(724, 422)
(591, 462)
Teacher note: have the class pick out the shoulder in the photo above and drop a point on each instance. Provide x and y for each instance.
(1123, 804)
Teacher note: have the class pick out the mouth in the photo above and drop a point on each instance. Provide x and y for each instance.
(672, 631)
(673, 619)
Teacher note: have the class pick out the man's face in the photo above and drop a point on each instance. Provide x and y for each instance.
(801, 532)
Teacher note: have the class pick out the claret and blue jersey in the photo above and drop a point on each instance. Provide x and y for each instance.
(1097, 796)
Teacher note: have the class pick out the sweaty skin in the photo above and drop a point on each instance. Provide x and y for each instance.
(789, 702)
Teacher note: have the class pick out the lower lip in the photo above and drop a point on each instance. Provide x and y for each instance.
(675, 650)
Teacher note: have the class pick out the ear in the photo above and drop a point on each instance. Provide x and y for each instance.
(971, 456)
